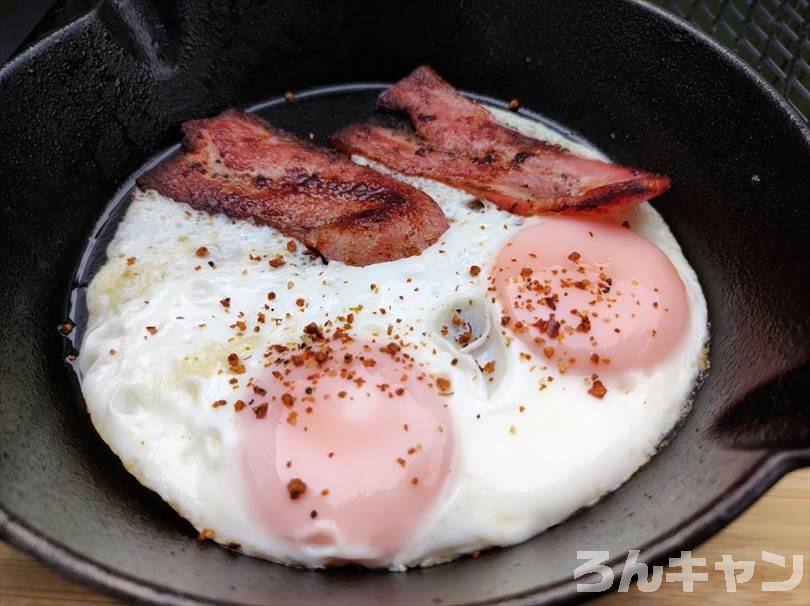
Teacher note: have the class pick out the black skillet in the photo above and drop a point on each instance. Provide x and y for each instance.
(81, 111)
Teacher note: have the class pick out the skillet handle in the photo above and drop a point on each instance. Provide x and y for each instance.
(773, 416)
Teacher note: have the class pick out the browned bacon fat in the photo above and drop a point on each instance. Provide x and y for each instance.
(458, 142)
(239, 165)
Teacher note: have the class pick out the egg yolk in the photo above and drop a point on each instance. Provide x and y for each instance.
(590, 296)
(346, 451)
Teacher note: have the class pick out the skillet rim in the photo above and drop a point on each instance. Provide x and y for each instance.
(692, 531)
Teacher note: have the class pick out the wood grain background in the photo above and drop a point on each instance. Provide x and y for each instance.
(779, 523)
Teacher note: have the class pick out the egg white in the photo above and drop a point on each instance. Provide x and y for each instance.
(515, 472)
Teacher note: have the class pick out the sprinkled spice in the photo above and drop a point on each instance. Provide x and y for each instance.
(239, 406)
(202, 251)
(391, 349)
(277, 262)
(131, 261)
(313, 514)
(226, 302)
(292, 246)
(475, 270)
(443, 385)
(206, 534)
(574, 256)
(260, 411)
(289, 97)
(219, 403)
(152, 330)
(514, 105)
(598, 389)
(66, 328)
(296, 488)
(235, 364)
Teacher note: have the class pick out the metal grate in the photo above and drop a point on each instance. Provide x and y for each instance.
(773, 36)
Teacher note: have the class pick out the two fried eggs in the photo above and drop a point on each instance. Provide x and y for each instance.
(398, 414)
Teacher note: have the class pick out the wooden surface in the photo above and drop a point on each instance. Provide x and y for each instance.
(779, 523)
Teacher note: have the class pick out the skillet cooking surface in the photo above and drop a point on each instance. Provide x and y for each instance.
(87, 107)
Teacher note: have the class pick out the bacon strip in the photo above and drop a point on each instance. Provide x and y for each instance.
(239, 165)
(460, 143)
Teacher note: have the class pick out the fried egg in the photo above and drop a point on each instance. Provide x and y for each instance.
(399, 414)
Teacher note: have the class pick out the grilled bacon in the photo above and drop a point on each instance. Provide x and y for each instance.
(239, 165)
(459, 142)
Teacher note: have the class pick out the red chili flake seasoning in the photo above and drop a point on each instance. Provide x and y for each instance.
(489, 367)
(287, 400)
(259, 391)
(300, 302)
(551, 327)
(292, 246)
(277, 262)
(391, 349)
(475, 270)
(260, 411)
(66, 328)
(131, 261)
(574, 256)
(444, 385)
(226, 302)
(514, 105)
(312, 329)
(289, 97)
(271, 296)
(548, 352)
(292, 419)
(296, 488)
(202, 251)
(598, 389)
(219, 403)
(239, 406)
(235, 364)
(206, 534)
(401, 461)
(152, 330)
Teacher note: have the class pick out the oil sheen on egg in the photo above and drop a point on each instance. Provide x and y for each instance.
(399, 414)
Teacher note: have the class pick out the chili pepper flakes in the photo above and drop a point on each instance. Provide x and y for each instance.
(598, 389)
(296, 487)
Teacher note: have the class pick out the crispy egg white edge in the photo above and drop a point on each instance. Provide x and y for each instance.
(184, 456)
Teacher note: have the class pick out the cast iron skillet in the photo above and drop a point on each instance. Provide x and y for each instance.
(82, 110)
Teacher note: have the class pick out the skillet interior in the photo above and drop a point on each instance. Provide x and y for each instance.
(85, 108)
